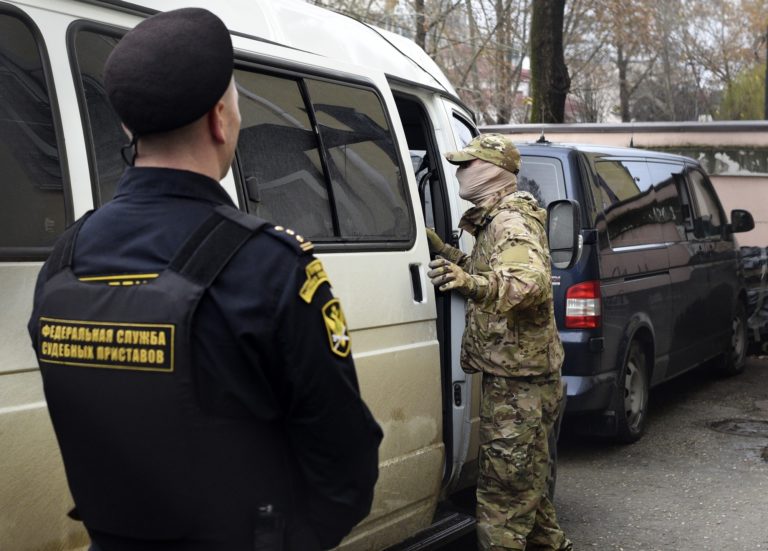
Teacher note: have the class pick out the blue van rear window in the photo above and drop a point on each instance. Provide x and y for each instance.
(543, 177)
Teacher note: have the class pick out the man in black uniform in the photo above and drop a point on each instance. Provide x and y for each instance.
(197, 367)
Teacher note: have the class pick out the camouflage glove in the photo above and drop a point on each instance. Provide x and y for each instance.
(435, 243)
(447, 276)
(438, 246)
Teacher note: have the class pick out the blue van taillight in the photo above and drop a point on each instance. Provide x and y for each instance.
(582, 306)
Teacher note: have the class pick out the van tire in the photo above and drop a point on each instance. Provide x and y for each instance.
(735, 354)
(632, 396)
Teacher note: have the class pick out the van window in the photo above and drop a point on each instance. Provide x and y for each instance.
(708, 222)
(279, 157)
(32, 204)
(629, 202)
(102, 126)
(638, 170)
(543, 178)
(340, 183)
(615, 183)
(665, 178)
(368, 188)
(463, 130)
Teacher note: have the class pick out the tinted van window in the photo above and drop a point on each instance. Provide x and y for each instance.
(629, 203)
(102, 123)
(543, 177)
(463, 130)
(708, 221)
(279, 157)
(339, 183)
(368, 189)
(32, 206)
(665, 178)
(615, 183)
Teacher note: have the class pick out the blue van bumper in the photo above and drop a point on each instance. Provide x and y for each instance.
(590, 393)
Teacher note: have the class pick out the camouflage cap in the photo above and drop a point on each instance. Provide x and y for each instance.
(494, 148)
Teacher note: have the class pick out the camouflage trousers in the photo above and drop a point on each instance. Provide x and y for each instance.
(513, 509)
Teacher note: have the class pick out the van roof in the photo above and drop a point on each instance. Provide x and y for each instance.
(530, 148)
(316, 31)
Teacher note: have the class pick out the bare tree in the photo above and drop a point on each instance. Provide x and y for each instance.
(671, 60)
(550, 81)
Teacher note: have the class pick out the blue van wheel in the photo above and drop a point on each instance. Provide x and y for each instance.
(632, 399)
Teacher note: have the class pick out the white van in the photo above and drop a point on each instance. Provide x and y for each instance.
(344, 127)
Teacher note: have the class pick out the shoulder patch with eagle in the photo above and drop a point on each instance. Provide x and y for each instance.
(336, 325)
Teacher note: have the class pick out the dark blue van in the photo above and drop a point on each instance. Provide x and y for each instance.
(656, 287)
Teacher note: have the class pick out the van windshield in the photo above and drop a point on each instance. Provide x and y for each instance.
(543, 178)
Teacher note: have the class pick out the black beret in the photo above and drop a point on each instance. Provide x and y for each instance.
(170, 70)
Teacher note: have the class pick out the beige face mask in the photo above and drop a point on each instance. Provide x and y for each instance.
(480, 181)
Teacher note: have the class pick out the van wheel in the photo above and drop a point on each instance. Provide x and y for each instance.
(632, 396)
(735, 356)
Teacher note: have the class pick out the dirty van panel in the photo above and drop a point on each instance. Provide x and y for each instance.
(34, 210)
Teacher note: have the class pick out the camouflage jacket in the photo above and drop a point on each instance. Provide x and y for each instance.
(511, 331)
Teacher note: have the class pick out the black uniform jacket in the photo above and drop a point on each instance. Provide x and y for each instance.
(260, 350)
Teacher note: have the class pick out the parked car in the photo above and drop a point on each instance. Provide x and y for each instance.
(657, 288)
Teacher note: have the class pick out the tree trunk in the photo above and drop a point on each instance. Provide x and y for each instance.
(503, 63)
(472, 72)
(421, 24)
(550, 81)
(622, 64)
(765, 100)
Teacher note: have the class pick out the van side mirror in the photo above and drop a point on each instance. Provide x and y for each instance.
(563, 232)
(741, 221)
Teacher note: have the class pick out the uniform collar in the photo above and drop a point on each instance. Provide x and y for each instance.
(171, 182)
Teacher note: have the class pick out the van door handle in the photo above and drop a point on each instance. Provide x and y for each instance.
(418, 293)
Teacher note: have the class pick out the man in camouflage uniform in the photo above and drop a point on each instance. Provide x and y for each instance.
(512, 339)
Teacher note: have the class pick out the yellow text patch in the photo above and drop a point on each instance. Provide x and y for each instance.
(112, 345)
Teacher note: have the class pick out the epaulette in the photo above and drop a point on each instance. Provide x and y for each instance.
(291, 238)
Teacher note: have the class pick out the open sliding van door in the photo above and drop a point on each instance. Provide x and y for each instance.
(433, 126)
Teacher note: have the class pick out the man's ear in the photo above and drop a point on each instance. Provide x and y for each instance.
(216, 123)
